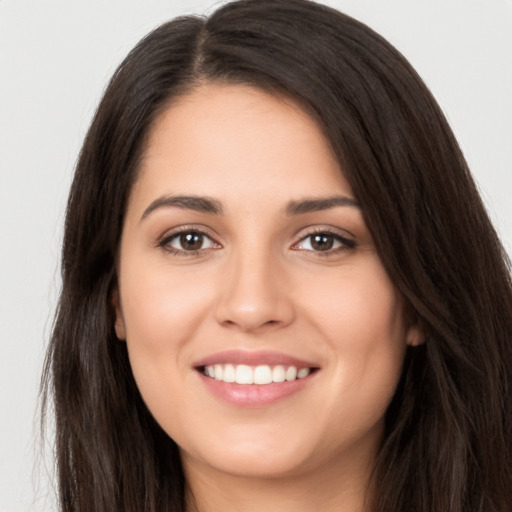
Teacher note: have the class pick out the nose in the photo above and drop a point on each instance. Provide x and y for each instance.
(255, 294)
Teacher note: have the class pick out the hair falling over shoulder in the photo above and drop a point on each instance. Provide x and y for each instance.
(448, 439)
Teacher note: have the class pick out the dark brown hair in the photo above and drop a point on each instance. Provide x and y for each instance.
(448, 442)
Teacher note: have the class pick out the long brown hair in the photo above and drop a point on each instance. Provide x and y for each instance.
(448, 442)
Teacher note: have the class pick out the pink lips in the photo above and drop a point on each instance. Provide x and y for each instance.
(253, 395)
(253, 359)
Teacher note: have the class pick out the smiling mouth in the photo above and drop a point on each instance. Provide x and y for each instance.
(258, 375)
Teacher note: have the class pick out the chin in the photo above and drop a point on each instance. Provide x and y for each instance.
(251, 453)
(244, 464)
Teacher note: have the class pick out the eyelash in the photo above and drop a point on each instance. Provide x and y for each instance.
(185, 230)
(347, 244)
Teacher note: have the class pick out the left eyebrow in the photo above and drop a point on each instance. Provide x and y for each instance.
(315, 205)
(197, 203)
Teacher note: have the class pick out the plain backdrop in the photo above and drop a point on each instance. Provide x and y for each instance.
(55, 59)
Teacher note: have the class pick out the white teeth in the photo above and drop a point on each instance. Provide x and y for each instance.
(303, 372)
(229, 373)
(262, 374)
(278, 374)
(291, 373)
(243, 374)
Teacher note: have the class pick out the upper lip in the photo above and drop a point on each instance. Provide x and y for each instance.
(253, 358)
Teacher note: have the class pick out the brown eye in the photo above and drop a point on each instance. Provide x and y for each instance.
(187, 242)
(191, 241)
(322, 242)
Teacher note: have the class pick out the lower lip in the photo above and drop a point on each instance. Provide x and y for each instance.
(254, 395)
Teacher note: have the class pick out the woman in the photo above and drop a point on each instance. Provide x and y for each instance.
(280, 286)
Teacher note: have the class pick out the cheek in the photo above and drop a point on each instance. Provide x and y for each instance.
(162, 312)
(358, 307)
(360, 315)
(161, 307)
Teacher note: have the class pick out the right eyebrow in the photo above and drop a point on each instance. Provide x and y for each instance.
(318, 204)
(197, 203)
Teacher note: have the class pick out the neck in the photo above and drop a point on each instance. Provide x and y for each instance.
(338, 490)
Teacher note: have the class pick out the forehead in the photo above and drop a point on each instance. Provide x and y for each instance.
(228, 140)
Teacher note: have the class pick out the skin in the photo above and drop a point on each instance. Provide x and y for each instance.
(258, 283)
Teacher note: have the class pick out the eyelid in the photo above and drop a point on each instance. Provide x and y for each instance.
(164, 240)
(346, 238)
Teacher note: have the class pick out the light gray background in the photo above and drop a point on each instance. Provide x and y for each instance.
(55, 59)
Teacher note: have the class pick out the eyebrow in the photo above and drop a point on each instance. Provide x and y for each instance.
(209, 205)
(315, 205)
(199, 204)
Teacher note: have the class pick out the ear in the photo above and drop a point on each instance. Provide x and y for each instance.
(119, 320)
(415, 336)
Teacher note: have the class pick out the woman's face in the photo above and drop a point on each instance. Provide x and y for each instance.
(245, 258)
